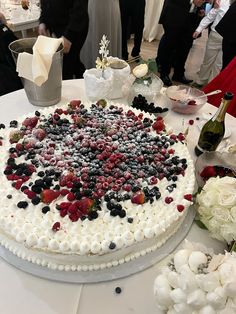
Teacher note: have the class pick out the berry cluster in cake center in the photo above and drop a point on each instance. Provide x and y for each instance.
(79, 157)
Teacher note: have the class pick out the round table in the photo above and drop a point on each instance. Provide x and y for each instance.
(24, 293)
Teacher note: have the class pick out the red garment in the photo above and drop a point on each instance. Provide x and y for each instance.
(225, 81)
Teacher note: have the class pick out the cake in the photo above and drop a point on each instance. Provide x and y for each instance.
(87, 187)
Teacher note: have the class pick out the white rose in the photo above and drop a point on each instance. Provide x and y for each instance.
(228, 231)
(214, 226)
(207, 198)
(140, 70)
(233, 213)
(227, 197)
(221, 214)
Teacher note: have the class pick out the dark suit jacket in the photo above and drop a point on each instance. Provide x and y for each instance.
(175, 12)
(65, 17)
(227, 25)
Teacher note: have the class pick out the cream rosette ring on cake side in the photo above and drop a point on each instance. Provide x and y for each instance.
(88, 187)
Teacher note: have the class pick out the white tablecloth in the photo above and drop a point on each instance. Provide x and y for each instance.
(26, 294)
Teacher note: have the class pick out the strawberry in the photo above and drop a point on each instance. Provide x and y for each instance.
(74, 103)
(138, 198)
(159, 125)
(47, 196)
(85, 204)
(40, 134)
(208, 171)
(188, 197)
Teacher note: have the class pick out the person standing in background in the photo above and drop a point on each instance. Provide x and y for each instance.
(179, 19)
(227, 29)
(212, 62)
(69, 20)
(104, 19)
(132, 11)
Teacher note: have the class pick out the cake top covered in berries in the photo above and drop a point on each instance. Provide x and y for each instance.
(82, 163)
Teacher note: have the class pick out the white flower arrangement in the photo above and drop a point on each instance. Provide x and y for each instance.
(102, 63)
(216, 206)
(197, 281)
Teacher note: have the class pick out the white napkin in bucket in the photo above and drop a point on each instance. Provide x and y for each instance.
(35, 67)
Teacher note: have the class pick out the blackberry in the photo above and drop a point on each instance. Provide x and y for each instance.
(36, 189)
(9, 196)
(22, 204)
(130, 220)
(122, 213)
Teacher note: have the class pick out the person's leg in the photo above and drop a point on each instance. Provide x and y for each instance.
(124, 27)
(185, 42)
(229, 52)
(138, 12)
(165, 53)
(212, 63)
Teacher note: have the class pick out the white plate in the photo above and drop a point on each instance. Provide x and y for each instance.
(227, 130)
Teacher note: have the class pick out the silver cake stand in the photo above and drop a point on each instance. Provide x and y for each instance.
(112, 273)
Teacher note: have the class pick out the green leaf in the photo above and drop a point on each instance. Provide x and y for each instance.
(200, 224)
(233, 247)
(152, 65)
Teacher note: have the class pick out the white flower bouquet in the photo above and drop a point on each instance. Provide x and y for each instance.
(107, 79)
(216, 206)
(197, 281)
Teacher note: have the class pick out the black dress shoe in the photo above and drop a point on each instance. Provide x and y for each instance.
(166, 80)
(181, 79)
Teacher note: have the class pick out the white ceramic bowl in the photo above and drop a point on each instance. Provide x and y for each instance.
(184, 99)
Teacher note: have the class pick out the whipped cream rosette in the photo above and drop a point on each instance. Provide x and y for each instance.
(202, 283)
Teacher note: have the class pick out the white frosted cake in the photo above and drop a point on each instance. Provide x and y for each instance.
(86, 187)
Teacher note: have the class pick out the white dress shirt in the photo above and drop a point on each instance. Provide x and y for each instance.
(214, 16)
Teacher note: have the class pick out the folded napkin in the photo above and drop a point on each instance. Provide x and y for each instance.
(35, 67)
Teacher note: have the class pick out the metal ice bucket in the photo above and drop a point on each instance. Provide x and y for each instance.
(49, 93)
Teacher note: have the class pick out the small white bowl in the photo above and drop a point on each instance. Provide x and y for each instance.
(184, 99)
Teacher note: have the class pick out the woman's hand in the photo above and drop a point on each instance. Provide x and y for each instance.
(42, 30)
(67, 44)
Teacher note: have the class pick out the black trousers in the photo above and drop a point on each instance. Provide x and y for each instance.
(174, 50)
(229, 52)
(132, 20)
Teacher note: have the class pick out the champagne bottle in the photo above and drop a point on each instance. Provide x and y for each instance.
(213, 130)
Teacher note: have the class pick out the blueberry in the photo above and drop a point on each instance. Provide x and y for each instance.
(36, 200)
(118, 290)
(112, 246)
(45, 209)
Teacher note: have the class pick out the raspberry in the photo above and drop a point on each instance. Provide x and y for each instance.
(191, 122)
(56, 226)
(180, 208)
(168, 200)
(188, 197)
